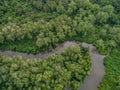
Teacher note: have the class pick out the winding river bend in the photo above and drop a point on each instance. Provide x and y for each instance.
(92, 81)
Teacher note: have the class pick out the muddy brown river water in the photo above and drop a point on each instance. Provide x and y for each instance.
(92, 81)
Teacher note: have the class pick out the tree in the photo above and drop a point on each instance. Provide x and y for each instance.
(72, 8)
(103, 33)
(100, 44)
(37, 4)
(102, 17)
(60, 8)
(109, 9)
(112, 43)
(51, 5)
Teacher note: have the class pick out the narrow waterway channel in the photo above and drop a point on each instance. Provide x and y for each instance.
(92, 81)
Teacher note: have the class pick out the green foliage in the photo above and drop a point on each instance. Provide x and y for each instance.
(56, 72)
(36, 25)
(51, 22)
(111, 80)
(26, 45)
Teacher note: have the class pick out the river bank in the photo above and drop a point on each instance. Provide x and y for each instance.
(92, 81)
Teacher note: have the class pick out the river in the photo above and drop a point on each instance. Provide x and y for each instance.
(92, 81)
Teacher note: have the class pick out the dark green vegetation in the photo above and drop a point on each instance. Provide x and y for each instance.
(55, 72)
(21, 46)
(38, 25)
(112, 77)
(50, 22)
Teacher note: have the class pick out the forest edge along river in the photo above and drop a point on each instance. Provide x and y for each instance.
(92, 81)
